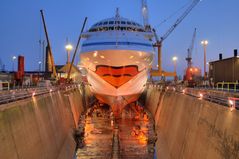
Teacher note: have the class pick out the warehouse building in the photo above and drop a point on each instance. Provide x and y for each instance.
(224, 70)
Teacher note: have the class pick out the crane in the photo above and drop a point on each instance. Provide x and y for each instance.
(77, 45)
(49, 50)
(160, 40)
(190, 49)
(192, 75)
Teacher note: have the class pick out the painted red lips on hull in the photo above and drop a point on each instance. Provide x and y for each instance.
(117, 75)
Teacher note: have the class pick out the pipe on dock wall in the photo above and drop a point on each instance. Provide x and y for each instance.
(40, 127)
(191, 128)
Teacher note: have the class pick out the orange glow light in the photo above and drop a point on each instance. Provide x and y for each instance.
(183, 91)
(232, 108)
(200, 95)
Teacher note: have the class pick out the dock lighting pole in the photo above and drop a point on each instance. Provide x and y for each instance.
(175, 65)
(205, 43)
(13, 61)
(39, 69)
(39, 63)
(68, 47)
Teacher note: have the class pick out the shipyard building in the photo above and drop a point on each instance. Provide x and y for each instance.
(225, 70)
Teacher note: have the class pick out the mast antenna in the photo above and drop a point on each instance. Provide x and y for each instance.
(145, 15)
(117, 15)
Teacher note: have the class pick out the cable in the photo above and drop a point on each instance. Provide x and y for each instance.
(174, 13)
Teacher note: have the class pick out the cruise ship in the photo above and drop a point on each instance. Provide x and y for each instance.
(117, 54)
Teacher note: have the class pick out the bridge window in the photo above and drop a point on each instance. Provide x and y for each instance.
(129, 28)
(123, 28)
(129, 23)
(105, 28)
(101, 26)
(123, 22)
(140, 30)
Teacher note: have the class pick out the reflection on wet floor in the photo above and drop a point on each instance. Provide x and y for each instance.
(130, 137)
(97, 134)
(137, 136)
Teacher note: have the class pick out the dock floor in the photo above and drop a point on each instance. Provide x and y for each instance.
(130, 137)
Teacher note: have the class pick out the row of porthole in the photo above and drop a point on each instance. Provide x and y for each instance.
(117, 22)
(116, 28)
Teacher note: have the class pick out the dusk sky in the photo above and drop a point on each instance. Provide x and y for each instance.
(21, 27)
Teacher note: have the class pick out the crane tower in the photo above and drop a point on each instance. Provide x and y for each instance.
(190, 49)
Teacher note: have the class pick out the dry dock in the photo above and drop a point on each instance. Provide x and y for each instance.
(187, 127)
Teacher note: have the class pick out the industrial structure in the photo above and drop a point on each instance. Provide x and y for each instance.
(192, 76)
(158, 44)
(224, 70)
(50, 66)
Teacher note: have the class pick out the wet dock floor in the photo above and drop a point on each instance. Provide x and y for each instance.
(130, 137)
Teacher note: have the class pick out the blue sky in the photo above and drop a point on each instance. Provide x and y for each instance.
(21, 27)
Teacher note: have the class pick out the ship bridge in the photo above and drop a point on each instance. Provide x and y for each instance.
(117, 23)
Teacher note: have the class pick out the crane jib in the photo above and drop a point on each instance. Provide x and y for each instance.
(180, 19)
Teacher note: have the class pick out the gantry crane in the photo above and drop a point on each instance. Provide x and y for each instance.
(190, 49)
(159, 42)
(49, 51)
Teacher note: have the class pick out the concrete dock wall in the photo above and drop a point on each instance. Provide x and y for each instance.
(188, 127)
(40, 127)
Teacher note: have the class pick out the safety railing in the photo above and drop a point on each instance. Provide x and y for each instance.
(219, 98)
(227, 99)
(19, 94)
(4, 86)
(226, 87)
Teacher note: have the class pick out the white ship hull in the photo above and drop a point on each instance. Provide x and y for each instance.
(117, 61)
